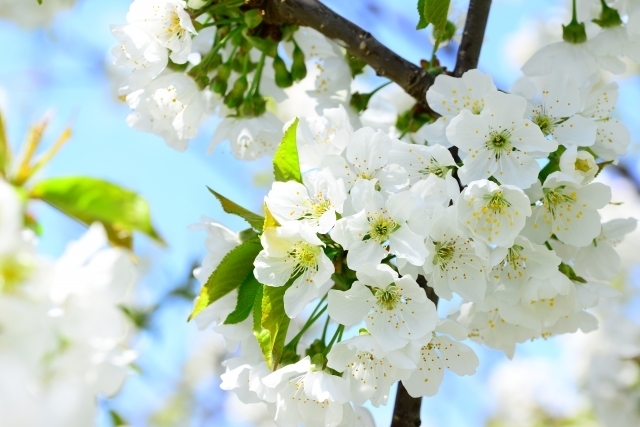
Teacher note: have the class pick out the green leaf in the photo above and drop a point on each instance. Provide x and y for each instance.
(231, 272)
(435, 12)
(274, 323)
(116, 418)
(286, 166)
(39, 1)
(246, 298)
(256, 221)
(422, 23)
(5, 152)
(90, 200)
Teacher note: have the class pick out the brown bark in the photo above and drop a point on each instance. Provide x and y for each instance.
(472, 37)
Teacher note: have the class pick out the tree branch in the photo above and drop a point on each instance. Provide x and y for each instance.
(311, 13)
(472, 37)
(406, 410)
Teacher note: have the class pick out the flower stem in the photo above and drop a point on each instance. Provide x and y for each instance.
(255, 84)
(336, 336)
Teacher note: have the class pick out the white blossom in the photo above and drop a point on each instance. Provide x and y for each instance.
(421, 161)
(436, 352)
(315, 203)
(379, 228)
(367, 158)
(580, 165)
(514, 266)
(320, 136)
(455, 262)
(448, 96)
(307, 395)
(493, 214)
(568, 210)
(168, 22)
(250, 138)
(139, 51)
(368, 368)
(395, 310)
(554, 103)
(171, 106)
(576, 60)
(599, 259)
(499, 142)
(293, 251)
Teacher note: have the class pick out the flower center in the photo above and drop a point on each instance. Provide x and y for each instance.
(477, 106)
(544, 123)
(317, 206)
(499, 143)
(495, 202)
(389, 297)
(305, 256)
(174, 26)
(553, 198)
(380, 228)
(444, 253)
(435, 168)
(514, 256)
(14, 270)
(582, 165)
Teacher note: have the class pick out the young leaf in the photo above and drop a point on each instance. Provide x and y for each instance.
(435, 12)
(422, 23)
(274, 322)
(286, 166)
(246, 298)
(269, 219)
(90, 200)
(231, 271)
(254, 220)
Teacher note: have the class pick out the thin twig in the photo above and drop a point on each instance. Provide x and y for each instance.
(472, 37)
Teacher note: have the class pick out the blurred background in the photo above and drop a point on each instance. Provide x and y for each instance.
(64, 66)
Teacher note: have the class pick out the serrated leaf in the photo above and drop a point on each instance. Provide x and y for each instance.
(435, 12)
(90, 200)
(246, 298)
(229, 274)
(254, 220)
(286, 165)
(422, 23)
(274, 323)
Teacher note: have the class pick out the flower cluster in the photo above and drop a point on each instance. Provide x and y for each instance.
(62, 332)
(372, 222)
(187, 62)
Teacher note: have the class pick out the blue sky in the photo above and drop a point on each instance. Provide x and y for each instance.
(63, 68)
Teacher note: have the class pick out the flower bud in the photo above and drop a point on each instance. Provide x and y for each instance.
(298, 68)
(219, 83)
(283, 77)
(236, 95)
